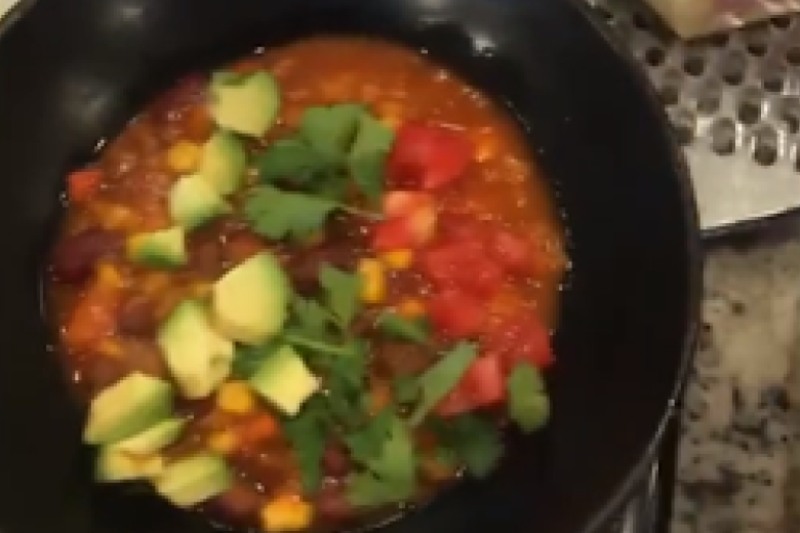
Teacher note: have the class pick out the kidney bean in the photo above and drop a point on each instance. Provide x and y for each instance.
(332, 502)
(336, 461)
(102, 372)
(75, 256)
(137, 316)
(303, 266)
(239, 502)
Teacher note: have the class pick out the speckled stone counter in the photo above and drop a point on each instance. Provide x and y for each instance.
(740, 421)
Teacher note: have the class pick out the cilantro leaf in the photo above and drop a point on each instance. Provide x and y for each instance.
(367, 172)
(278, 214)
(341, 293)
(472, 440)
(308, 434)
(406, 389)
(372, 137)
(436, 382)
(410, 329)
(247, 359)
(311, 317)
(367, 443)
(528, 404)
(292, 160)
(391, 474)
(331, 129)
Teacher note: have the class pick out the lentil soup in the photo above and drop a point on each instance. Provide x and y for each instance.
(309, 287)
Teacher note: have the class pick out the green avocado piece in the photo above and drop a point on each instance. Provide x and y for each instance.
(250, 301)
(193, 480)
(132, 405)
(113, 465)
(247, 104)
(159, 249)
(153, 439)
(193, 202)
(284, 380)
(198, 357)
(223, 163)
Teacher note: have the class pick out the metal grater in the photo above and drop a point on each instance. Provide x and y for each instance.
(734, 103)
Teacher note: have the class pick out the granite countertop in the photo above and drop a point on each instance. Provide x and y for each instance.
(737, 453)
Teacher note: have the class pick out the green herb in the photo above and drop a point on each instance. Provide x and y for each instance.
(248, 359)
(436, 382)
(311, 316)
(331, 130)
(409, 329)
(333, 143)
(308, 433)
(528, 404)
(471, 440)
(341, 293)
(292, 160)
(367, 443)
(279, 214)
(390, 475)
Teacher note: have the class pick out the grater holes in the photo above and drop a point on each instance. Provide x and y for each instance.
(654, 56)
(781, 23)
(719, 40)
(793, 56)
(765, 145)
(774, 80)
(641, 22)
(670, 89)
(708, 97)
(684, 125)
(694, 65)
(723, 136)
(750, 106)
(757, 41)
(732, 68)
(789, 114)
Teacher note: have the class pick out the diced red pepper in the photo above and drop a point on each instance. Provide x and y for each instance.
(428, 156)
(82, 185)
(456, 314)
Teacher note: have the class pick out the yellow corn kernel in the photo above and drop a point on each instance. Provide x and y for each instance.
(183, 156)
(223, 442)
(399, 259)
(373, 281)
(108, 276)
(110, 348)
(235, 397)
(488, 148)
(286, 513)
(411, 308)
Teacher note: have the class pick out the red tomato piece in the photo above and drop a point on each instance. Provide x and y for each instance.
(482, 385)
(428, 156)
(462, 227)
(522, 338)
(511, 251)
(442, 264)
(93, 319)
(83, 184)
(482, 278)
(456, 314)
(403, 203)
(391, 234)
(410, 222)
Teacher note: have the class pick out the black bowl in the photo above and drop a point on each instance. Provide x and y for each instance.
(72, 73)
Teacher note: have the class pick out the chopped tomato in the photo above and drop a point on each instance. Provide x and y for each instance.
(520, 338)
(464, 265)
(403, 203)
(462, 227)
(428, 156)
(410, 222)
(391, 234)
(456, 314)
(482, 385)
(511, 251)
(483, 279)
(83, 184)
(258, 429)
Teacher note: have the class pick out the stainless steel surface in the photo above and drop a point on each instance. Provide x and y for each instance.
(734, 101)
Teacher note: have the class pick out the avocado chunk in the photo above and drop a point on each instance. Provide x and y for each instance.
(250, 301)
(193, 202)
(152, 440)
(126, 408)
(193, 480)
(113, 465)
(223, 162)
(159, 249)
(197, 356)
(284, 380)
(247, 104)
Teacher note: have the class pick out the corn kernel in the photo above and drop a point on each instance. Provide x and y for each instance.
(488, 148)
(110, 348)
(200, 289)
(286, 513)
(399, 259)
(223, 442)
(108, 276)
(235, 397)
(411, 308)
(183, 157)
(373, 281)
(390, 113)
